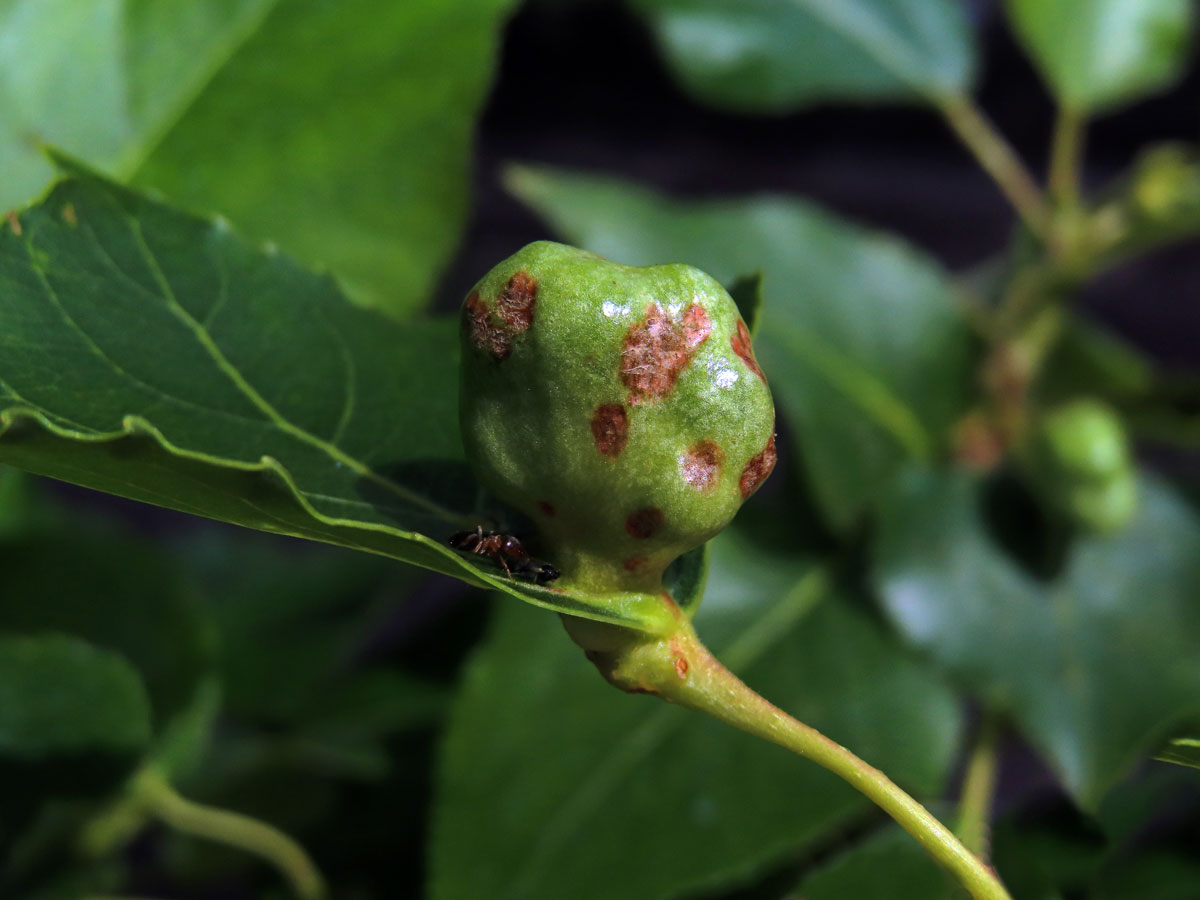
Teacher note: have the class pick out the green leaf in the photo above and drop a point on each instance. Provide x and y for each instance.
(888, 866)
(1089, 361)
(1104, 53)
(1093, 666)
(154, 355)
(781, 55)
(1131, 857)
(1136, 805)
(14, 502)
(105, 80)
(341, 131)
(1043, 861)
(1153, 875)
(118, 595)
(61, 695)
(860, 339)
(747, 293)
(291, 625)
(1183, 751)
(548, 775)
(183, 740)
(687, 577)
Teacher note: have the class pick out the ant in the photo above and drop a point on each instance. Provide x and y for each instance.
(505, 550)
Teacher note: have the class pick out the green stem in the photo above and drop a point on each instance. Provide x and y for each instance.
(1066, 158)
(679, 668)
(979, 784)
(160, 800)
(999, 160)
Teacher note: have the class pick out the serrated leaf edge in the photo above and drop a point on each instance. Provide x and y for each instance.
(646, 612)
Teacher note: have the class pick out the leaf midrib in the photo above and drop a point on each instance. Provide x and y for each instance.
(223, 364)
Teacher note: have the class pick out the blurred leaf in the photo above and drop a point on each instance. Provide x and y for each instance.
(340, 130)
(376, 703)
(1103, 53)
(1087, 360)
(37, 866)
(291, 625)
(1154, 875)
(780, 55)
(119, 595)
(1141, 805)
(289, 621)
(888, 866)
(687, 577)
(1039, 860)
(14, 501)
(1148, 855)
(155, 356)
(1156, 406)
(1094, 665)
(548, 776)
(185, 738)
(123, 596)
(59, 694)
(860, 338)
(747, 293)
(104, 80)
(93, 880)
(1183, 751)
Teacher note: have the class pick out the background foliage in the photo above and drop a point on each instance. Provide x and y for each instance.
(907, 582)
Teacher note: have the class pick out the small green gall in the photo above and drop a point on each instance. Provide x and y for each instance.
(1166, 183)
(1084, 465)
(620, 408)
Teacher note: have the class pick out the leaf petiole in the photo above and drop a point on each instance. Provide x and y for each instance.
(680, 669)
(159, 799)
(997, 157)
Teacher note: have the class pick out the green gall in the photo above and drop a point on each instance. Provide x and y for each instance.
(1166, 183)
(1084, 465)
(620, 408)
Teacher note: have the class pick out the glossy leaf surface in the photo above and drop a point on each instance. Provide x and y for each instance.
(780, 55)
(156, 356)
(341, 131)
(859, 337)
(1095, 665)
(577, 775)
(1101, 53)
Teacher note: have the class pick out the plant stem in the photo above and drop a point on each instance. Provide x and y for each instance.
(1066, 156)
(999, 160)
(979, 784)
(160, 800)
(679, 668)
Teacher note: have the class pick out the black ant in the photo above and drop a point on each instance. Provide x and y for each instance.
(505, 550)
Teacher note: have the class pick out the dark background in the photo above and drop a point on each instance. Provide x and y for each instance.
(580, 86)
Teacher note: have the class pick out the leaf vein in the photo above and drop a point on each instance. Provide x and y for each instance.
(258, 400)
